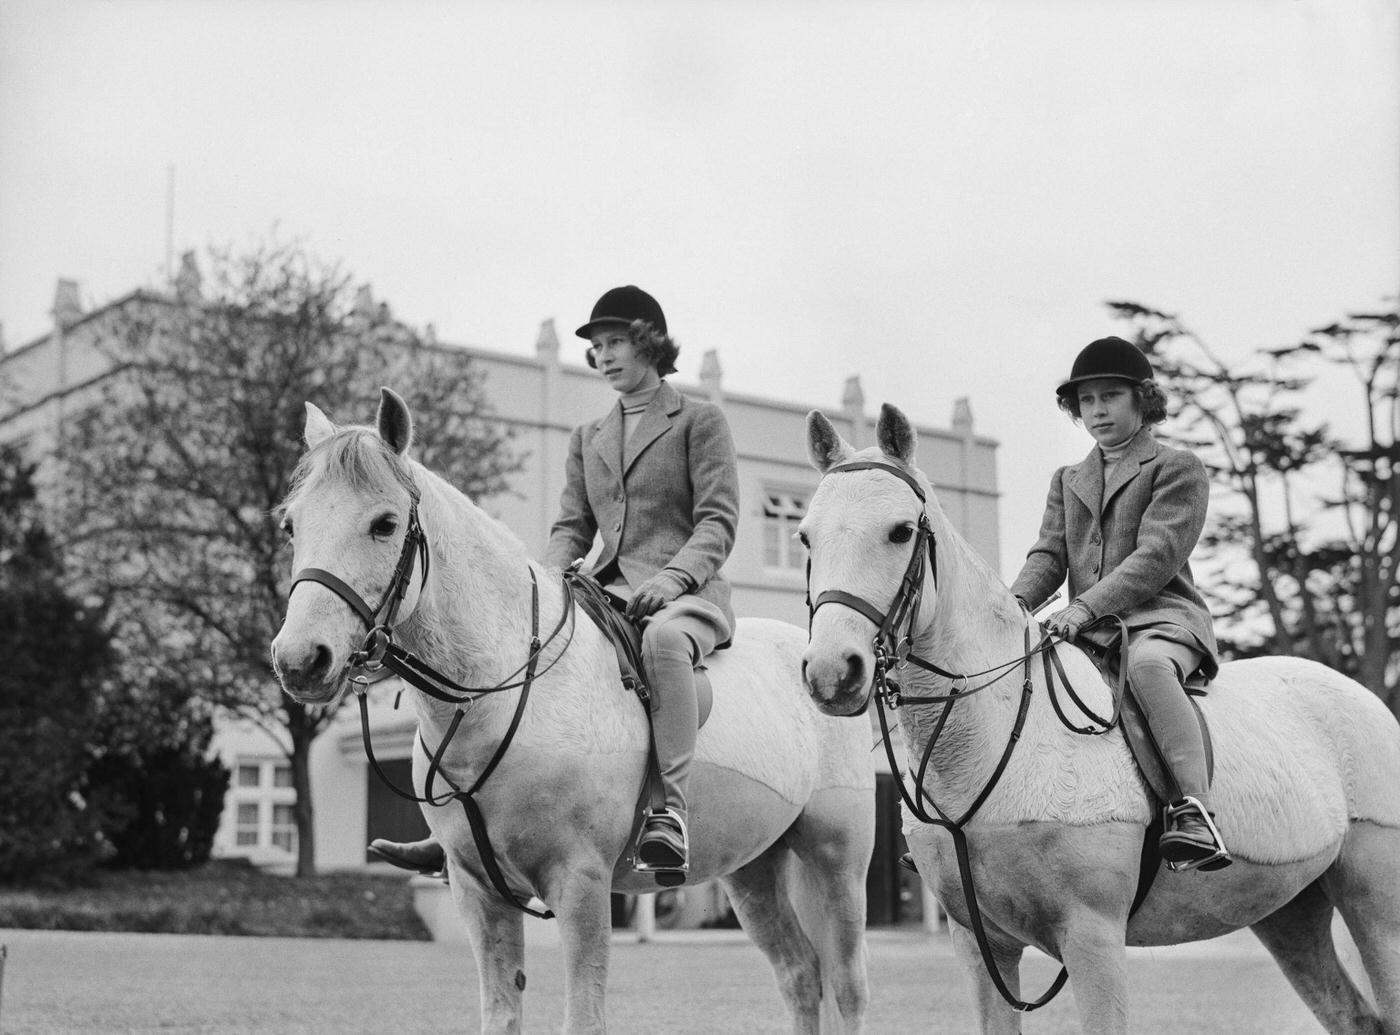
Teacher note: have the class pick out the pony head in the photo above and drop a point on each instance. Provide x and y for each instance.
(350, 512)
(861, 532)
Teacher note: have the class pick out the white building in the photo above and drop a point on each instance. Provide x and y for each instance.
(543, 395)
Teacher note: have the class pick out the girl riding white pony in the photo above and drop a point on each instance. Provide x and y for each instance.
(782, 798)
(1038, 827)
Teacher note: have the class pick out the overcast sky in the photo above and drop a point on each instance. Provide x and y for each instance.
(936, 196)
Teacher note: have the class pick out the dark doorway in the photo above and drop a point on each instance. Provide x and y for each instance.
(893, 894)
(388, 815)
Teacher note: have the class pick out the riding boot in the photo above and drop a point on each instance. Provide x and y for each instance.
(1191, 839)
(426, 856)
(668, 656)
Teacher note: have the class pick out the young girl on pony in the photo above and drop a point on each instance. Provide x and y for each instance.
(1121, 524)
(656, 476)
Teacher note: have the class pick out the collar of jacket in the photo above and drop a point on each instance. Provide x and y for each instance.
(1085, 479)
(652, 423)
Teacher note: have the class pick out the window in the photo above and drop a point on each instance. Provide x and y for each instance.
(262, 801)
(782, 510)
(246, 830)
(284, 828)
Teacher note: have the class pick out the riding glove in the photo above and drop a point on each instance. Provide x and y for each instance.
(658, 591)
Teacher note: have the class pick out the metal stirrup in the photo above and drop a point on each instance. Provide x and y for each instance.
(1185, 806)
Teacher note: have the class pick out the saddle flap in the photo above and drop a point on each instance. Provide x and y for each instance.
(1102, 644)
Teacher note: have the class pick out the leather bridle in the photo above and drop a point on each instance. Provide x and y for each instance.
(891, 647)
(379, 656)
(895, 625)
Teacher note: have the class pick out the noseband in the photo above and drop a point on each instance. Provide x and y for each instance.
(895, 625)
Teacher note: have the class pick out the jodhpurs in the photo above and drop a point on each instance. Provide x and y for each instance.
(1157, 668)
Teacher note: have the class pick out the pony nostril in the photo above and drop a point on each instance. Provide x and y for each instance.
(320, 666)
(855, 672)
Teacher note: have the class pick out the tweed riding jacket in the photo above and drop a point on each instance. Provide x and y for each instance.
(1125, 545)
(667, 498)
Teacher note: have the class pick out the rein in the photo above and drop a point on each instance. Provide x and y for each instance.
(892, 647)
(379, 656)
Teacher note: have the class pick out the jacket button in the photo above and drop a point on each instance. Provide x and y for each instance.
(618, 528)
(1094, 538)
(1094, 570)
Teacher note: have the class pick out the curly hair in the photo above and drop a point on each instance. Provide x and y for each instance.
(652, 346)
(1151, 402)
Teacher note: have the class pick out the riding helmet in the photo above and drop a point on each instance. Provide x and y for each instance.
(622, 305)
(1107, 357)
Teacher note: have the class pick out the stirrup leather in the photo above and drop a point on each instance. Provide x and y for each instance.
(1221, 857)
(672, 816)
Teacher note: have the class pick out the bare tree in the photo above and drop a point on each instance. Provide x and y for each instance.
(1304, 539)
(174, 465)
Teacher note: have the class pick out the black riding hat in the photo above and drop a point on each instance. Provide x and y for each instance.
(621, 306)
(1107, 357)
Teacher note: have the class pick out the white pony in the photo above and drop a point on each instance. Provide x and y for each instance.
(1307, 781)
(782, 799)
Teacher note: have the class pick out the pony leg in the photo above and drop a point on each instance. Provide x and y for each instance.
(760, 897)
(1299, 937)
(1365, 885)
(579, 895)
(994, 1014)
(497, 935)
(1094, 954)
(833, 851)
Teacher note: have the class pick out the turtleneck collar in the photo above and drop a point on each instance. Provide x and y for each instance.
(639, 400)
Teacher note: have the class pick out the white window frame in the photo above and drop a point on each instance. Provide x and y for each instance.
(783, 507)
(271, 797)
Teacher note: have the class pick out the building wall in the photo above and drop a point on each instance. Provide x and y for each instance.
(542, 396)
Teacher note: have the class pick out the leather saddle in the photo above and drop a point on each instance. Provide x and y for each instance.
(605, 609)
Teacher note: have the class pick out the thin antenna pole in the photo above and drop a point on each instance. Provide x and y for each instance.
(169, 222)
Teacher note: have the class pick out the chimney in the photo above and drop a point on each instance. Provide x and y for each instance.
(853, 403)
(711, 375)
(67, 308)
(547, 342)
(364, 304)
(188, 280)
(962, 416)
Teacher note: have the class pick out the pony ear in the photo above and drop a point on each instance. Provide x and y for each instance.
(318, 426)
(895, 434)
(825, 446)
(395, 424)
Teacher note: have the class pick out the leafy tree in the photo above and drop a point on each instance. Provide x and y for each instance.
(176, 463)
(56, 654)
(1304, 541)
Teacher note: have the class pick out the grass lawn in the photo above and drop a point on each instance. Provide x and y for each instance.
(221, 898)
(684, 983)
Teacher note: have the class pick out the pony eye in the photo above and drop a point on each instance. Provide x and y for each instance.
(384, 526)
(286, 526)
(802, 538)
(901, 533)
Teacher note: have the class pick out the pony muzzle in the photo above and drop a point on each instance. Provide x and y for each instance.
(838, 685)
(306, 671)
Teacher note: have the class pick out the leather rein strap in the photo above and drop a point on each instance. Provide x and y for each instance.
(379, 656)
(891, 647)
